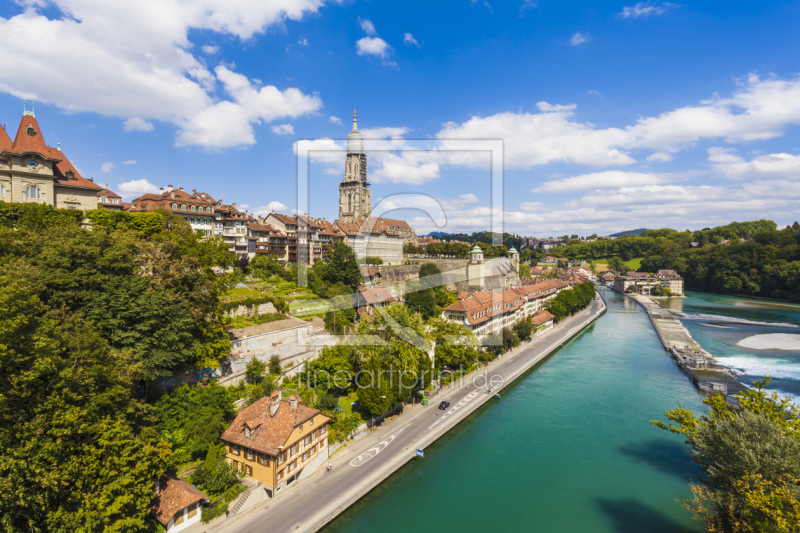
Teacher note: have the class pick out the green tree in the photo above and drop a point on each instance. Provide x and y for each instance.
(342, 267)
(76, 450)
(616, 263)
(523, 329)
(420, 300)
(275, 365)
(254, 370)
(373, 260)
(375, 392)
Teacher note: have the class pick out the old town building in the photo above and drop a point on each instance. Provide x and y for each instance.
(31, 171)
(273, 441)
(198, 211)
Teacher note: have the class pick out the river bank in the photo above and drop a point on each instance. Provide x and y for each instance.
(365, 464)
(570, 447)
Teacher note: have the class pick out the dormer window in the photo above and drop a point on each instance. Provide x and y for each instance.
(246, 431)
(70, 175)
(30, 131)
(175, 206)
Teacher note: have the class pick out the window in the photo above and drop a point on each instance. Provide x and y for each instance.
(33, 193)
(208, 209)
(178, 518)
(249, 454)
(194, 208)
(235, 449)
(307, 440)
(246, 432)
(192, 510)
(2, 191)
(323, 429)
(265, 459)
(280, 475)
(183, 208)
(280, 457)
(293, 449)
(175, 206)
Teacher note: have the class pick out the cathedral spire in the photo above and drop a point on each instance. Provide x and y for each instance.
(355, 124)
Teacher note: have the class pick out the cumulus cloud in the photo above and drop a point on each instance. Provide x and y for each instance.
(132, 61)
(367, 26)
(372, 46)
(230, 123)
(276, 206)
(107, 167)
(334, 120)
(283, 129)
(134, 188)
(726, 162)
(659, 157)
(137, 124)
(408, 40)
(644, 9)
(578, 39)
(384, 132)
(210, 49)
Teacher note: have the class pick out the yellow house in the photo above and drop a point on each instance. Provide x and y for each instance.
(274, 441)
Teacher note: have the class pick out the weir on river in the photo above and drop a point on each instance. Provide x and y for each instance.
(569, 447)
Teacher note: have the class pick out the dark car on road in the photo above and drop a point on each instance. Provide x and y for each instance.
(444, 405)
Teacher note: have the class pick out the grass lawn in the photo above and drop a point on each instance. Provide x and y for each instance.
(346, 401)
(602, 263)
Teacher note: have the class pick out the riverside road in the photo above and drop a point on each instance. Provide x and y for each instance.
(315, 501)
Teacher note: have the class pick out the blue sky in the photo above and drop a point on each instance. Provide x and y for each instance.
(613, 115)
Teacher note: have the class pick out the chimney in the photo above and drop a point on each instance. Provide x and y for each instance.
(234, 205)
(162, 190)
(194, 191)
(172, 194)
(293, 401)
(274, 402)
(181, 188)
(169, 188)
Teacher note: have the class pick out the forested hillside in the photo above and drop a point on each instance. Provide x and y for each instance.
(751, 258)
(88, 320)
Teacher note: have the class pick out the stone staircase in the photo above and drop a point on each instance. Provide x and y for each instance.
(234, 508)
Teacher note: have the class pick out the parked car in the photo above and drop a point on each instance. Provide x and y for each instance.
(444, 405)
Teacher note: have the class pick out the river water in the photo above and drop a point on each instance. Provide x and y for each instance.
(753, 337)
(568, 448)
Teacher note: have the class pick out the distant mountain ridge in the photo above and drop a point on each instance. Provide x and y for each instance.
(629, 233)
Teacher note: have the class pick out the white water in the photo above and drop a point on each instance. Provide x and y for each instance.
(771, 341)
(762, 366)
(733, 320)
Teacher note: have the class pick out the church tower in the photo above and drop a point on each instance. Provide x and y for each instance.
(355, 197)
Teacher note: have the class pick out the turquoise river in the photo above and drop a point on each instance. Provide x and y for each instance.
(568, 448)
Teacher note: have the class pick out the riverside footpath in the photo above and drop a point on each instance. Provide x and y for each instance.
(364, 464)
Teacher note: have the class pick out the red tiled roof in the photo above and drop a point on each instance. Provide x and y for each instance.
(175, 495)
(267, 432)
(63, 167)
(24, 142)
(541, 317)
(376, 295)
(5, 140)
(109, 193)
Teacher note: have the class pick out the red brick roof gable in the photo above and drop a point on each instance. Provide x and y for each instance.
(24, 142)
(5, 140)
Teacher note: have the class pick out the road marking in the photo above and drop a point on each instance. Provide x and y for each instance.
(464, 401)
(375, 450)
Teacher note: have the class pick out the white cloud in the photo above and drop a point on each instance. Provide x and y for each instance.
(578, 39)
(398, 169)
(129, 162)
(610, 179)
(107, 167)
(226, 124)
(408, 40)
(372, 46)
(659, 157)
(644, 9)
(594, 92)
(303, 42)
(726, 162)
(137, 124)
(531, 206)
(334, 120)
(210, 49)
(384, 133)
(134, 188)
(283, 129)
(367, 26)
(133, 60)
(276, 206)
(323, 151)
(759, 109)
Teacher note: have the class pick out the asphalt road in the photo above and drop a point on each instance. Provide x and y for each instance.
(303, 507)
